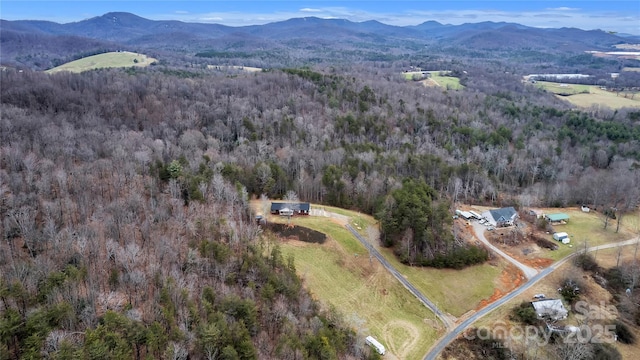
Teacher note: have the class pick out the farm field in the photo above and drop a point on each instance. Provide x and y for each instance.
(589, 95)
(588, 227)
(106, 60)
(437, 78)
(234, 67)
(339, 274)
(454, 291)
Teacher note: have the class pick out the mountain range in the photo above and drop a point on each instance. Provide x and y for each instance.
(319, 37)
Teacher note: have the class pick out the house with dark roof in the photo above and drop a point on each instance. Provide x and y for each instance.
(286, 208)
(501, 217)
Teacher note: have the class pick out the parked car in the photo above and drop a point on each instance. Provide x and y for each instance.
(491, 228)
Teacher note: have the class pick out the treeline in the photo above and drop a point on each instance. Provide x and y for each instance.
(128, 242)
(340, 136)
(417, 223)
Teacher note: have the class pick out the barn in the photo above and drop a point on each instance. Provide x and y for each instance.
(557, 219)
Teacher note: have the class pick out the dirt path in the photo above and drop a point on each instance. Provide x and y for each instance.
(401, 351)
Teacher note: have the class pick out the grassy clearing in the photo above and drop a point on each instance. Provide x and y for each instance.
(106, 60)
(339, 274)
(438, 78)
(447, 82)
(587, 227)
(588, 95)
(563, 89)
(454, 291)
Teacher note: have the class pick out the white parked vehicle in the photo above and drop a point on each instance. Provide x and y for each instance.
(371, 341)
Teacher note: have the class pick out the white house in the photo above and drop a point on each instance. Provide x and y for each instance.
(550, 309)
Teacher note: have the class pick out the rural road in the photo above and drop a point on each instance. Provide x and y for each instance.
(479, 229)
(436, 349)
(444, 318)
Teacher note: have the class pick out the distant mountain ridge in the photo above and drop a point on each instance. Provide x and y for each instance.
(311, 34)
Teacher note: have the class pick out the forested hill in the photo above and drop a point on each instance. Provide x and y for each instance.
(296, 42)
(123, 193)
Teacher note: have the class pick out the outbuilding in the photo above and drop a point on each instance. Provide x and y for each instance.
(558, 218)
(561, 236)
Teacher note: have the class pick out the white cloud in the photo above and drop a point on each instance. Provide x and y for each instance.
(556, 17)
(562, 8)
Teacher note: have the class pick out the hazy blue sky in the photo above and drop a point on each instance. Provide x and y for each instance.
(620, 16)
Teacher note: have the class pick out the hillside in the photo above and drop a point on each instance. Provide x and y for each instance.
(106, 60)
(124, 192)
(300, 41)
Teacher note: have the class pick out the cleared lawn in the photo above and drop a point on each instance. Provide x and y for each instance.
(563, 89)
(106, 60)
(454, 291)
(588, 95)
(339, 273)
(438, 78)
(606, 98)
(447, 82)
(587, 227)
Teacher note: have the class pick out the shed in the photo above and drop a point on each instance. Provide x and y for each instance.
(475, 214)
(562, 236)
(550, 309)
(557, 218)
(465, 214)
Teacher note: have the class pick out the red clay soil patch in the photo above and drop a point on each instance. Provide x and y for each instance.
(537, 263)
(510, 278)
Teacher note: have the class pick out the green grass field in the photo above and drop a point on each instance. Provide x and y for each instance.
(437, 78)
(106, 60)
(339, 274)
(589, 95)
(453, 291)
(589, 227)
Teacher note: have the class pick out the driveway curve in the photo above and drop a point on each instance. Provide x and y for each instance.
(479, 229)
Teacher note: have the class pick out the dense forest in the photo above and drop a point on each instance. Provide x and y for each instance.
(124, 194)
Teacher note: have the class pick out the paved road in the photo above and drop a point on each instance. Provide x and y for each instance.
(479, 229)
(445, 320)
(433, 353)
